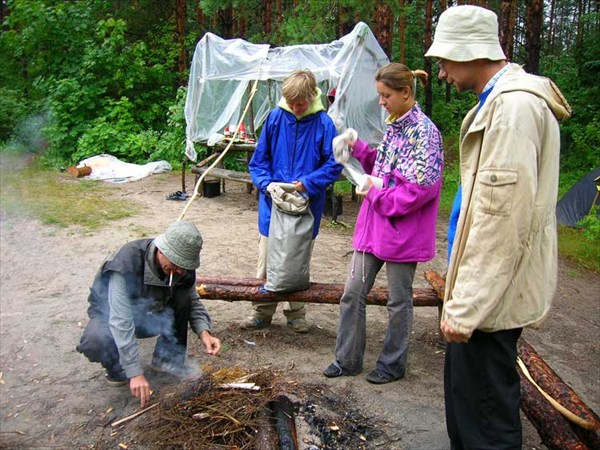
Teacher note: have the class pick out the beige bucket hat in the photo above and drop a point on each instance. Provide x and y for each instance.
(181, 244)
(466, 33)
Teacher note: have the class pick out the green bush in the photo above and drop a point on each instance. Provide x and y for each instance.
(170, 145)
(13, 110)
(591, 226)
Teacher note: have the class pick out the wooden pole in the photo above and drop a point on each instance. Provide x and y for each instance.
(439, 285)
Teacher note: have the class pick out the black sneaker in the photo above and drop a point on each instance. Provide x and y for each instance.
(116, 379)
(377, 377)
(334, 371)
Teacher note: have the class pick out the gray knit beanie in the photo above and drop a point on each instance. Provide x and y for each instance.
(181, 244)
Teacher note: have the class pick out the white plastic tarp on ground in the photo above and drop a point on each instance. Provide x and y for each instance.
(111, 169)
(223, 71)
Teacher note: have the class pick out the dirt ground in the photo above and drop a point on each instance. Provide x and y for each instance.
(52, 397)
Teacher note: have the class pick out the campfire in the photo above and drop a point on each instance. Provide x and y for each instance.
(236, 408)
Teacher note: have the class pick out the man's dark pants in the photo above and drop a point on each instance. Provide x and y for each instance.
(169, 324)
(482, 392)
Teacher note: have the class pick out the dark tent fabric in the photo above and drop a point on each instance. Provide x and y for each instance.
(578, 201)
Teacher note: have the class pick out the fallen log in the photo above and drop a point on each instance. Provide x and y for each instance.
(585, 424)
(232, 289)
(79, 172)
(553, 429)
(437, 282)
(267, 438)
(285, 423)
(439, 285)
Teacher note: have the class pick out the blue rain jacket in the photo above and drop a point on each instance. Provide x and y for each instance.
(295, 149)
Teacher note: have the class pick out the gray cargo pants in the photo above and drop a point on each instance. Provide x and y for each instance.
(351, 337)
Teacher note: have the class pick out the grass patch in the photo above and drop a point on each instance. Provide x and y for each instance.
(342, 187)
(59, 199)
(582, 250)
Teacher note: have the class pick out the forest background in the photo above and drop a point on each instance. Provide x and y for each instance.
(82, 78)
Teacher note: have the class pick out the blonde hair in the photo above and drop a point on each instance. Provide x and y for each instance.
(397, 76)
(299, 85)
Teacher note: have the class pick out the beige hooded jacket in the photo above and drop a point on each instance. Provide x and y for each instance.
(503, 267)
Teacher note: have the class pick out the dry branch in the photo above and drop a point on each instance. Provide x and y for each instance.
(133, 416)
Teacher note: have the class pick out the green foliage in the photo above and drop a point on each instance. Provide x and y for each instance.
(450, 185)
(12, 110)
(306, 16)
(586, 146)
(171, 143)
(342, 187)
(581, 249)
(116, 133)
(591, 225)
(114, 104)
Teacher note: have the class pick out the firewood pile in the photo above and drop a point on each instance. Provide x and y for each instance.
(235, 408)
(210, 413)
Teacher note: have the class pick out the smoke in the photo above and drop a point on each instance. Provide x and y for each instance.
(28, 135)
(169, 354)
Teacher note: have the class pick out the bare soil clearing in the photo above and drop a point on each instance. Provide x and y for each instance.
(52, 397)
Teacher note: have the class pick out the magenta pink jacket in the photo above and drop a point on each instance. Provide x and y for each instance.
(397, 223)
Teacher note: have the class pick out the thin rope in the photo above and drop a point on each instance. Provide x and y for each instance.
(224, 152)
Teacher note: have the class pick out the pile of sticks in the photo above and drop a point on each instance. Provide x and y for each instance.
(227, 408)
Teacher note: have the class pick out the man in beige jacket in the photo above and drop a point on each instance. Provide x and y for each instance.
(502, 270)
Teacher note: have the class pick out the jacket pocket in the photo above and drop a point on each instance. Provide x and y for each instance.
(496, 191)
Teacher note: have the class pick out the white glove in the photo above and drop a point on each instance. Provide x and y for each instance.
(341, 151)
(271, 187)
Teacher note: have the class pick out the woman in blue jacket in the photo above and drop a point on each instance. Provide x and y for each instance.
(295, 146)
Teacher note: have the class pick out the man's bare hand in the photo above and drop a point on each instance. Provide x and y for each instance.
(140, 388)
(452, 335)
(211, 343)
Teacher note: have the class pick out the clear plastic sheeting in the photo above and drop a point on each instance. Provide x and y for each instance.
(223, 72)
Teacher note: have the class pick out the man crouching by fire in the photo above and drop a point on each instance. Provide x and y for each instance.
(147, 288)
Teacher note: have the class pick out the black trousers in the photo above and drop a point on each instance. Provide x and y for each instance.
(169, 324)
(482, 392)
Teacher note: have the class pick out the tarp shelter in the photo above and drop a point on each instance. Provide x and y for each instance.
(578, 201)
(223, 71)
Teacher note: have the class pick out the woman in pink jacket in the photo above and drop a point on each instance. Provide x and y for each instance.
(395, 225)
